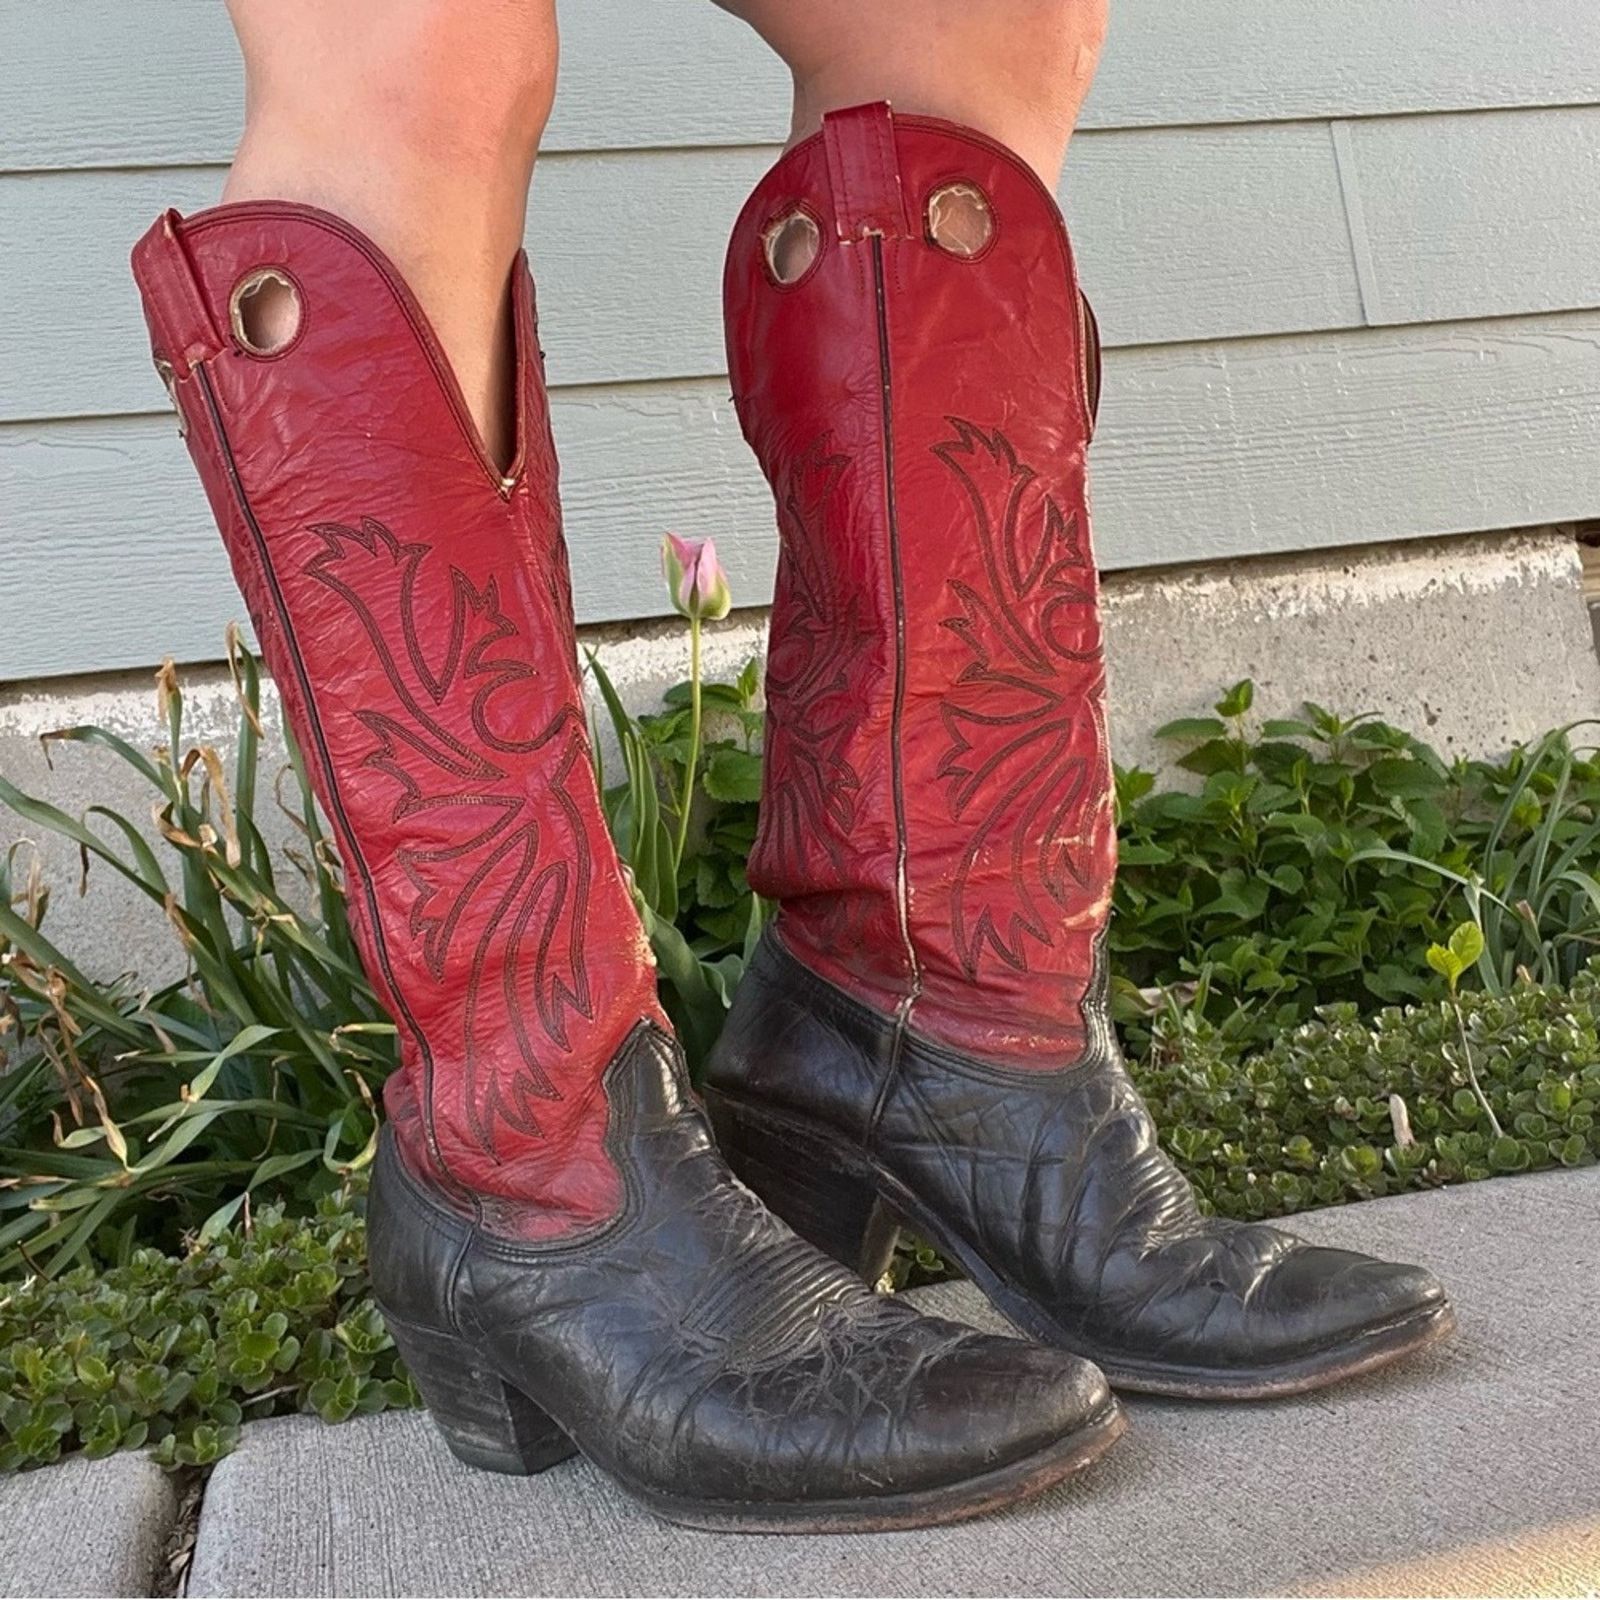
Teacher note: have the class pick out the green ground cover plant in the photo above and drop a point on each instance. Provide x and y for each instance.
(177, 1353)
(1347, 1107)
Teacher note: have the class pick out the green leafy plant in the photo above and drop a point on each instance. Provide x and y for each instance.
(176, 1353)
(1532, 892)
(1450, 961)
(698, 910)
(1311, 856)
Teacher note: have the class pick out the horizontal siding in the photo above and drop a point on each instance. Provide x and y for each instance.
(1207, 451)
(1474, 216)
(1218, 233)
(1182, 235)
(1344, 258)
(158, 81)
(1197, 62)
(633, 73)
(627, 251)
(106, 507)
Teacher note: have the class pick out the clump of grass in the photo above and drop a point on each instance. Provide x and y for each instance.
(130, 1117)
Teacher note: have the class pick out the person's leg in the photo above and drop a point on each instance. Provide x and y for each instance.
(924, 1032)
(1015, 69)
(418, 122)
(555, 1243)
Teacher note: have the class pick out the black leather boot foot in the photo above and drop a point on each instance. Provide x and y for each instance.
(719, 1368)
(1048, 1189)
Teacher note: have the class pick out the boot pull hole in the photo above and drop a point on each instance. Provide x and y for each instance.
(265, 311)
(959, 219)
(791, 244)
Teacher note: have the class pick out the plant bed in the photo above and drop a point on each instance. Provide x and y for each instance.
(1315, 861)
(177, 1352)
(274, 1316)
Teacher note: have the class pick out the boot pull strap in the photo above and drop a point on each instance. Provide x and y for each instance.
(180, 317)
(864, 173)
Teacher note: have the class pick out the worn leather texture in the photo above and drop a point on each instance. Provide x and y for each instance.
(937, 818)
(414, 606)
(1054, 1181)
(698, 1348)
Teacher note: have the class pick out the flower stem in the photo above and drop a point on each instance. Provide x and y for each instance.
(685, 804)
(1472, 1071)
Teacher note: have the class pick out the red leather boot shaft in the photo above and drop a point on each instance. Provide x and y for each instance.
(937, 819)
(413, 605)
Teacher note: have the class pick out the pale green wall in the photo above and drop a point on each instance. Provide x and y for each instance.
(1346, 255)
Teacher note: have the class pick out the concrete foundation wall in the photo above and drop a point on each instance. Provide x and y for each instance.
(1472, 643)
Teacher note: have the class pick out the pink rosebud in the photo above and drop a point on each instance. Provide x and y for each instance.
(695, 580)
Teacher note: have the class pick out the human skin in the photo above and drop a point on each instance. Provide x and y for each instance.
(1017, 70)
(419, 122)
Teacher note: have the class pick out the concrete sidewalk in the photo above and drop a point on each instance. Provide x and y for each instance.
(85, 1528)
(1476, 1470)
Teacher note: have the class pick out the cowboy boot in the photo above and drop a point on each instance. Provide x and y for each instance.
(562, 1257)
(923, 1035)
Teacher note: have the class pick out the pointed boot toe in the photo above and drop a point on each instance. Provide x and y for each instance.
(1324, 1314)
(1026, 1398)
